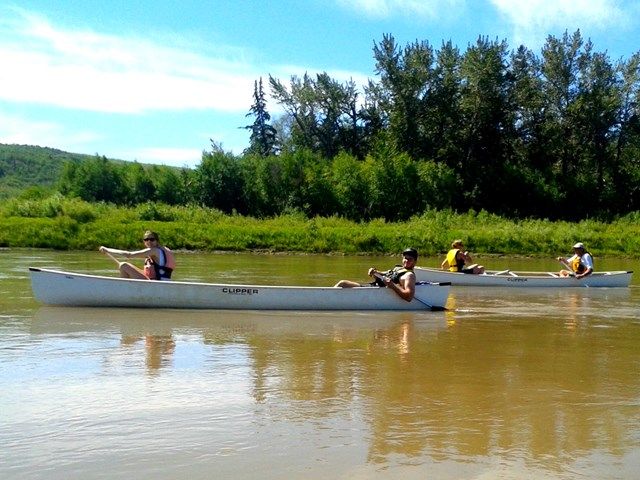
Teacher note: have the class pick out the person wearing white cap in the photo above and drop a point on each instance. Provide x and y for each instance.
(580, 264)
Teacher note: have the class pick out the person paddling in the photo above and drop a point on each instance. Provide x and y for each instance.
(580, 264)
(159, 260)
(458, 260)
(400, 279)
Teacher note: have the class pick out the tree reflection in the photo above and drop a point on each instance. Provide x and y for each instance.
(461, 391)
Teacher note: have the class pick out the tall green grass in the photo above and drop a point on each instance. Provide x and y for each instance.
(71, 224)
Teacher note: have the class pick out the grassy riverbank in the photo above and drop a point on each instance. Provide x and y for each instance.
(69, 224)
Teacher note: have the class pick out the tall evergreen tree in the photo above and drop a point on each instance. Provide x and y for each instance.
(263, 135)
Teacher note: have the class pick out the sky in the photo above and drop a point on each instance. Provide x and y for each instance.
(155, 81)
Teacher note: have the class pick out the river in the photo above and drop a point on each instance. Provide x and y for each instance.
(505, 384)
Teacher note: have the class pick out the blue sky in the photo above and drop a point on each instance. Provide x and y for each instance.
(153, 81)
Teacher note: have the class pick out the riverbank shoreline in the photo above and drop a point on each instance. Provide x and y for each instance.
(76, 225)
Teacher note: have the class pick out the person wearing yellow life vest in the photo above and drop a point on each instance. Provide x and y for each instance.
(159, 260)
(580, 264)
(458, 260)
(400, 279)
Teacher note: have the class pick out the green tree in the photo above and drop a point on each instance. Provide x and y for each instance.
(170, 186)
(560, 70)
(626, 138)
(597, 107)
(406, 77)
(95, 180)
(351, 187)
(263, 135)
(484, 118)
(218, 181)
(140, 186)
(443, 114)
(393, 177)
(325, 116)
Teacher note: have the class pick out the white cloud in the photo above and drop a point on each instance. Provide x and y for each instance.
(22, 131)
(177, 157)
(385, 8)
(533, 20)
(46, 65)
(91, 71)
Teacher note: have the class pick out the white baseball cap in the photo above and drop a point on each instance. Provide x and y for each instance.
(579, 245)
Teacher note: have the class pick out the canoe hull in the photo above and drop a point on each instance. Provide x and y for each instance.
(54, 287)
(524, 279)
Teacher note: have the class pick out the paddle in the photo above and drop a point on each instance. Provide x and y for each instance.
(381, 278)
(566, 268)
(112, 258)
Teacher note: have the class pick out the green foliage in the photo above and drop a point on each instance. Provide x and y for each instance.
(217, 181)
(351, 187)
(72, 224)
(325, 115)
(95, 180)
(393, 180)
(263, 135)
(511, 133)
(140, 185)
(23, 166)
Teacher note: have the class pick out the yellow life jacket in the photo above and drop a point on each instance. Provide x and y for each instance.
(576, 264)
(455, 265)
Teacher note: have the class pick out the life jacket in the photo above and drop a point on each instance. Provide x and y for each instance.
(395, 274)
(162, 269)
(576, 264)
(455, 264)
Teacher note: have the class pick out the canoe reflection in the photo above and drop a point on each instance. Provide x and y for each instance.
(157, 330)
(503, 378)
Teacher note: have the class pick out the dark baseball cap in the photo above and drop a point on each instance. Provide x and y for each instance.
(410, 252)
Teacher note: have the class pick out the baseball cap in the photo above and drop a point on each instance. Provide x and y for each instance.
(410, 252)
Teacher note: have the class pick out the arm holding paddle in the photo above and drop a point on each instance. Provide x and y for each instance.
(126, 269)
(401, 280)
(125, 253)
(579, 265)
(405, 288)
(567, 271)
(564, 262)
(113, 251)
(152, 254)
(459, 260)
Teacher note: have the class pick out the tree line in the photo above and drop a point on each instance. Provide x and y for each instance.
(509, 132)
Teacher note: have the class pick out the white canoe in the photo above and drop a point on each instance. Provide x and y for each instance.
(54, 287)
(508, 278)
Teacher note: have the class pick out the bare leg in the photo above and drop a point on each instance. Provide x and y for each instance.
(347, 284)
(128, 270)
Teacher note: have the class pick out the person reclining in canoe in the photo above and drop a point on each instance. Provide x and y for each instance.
(457, 260)
(159, 260)
(580, 264)
(400, 279)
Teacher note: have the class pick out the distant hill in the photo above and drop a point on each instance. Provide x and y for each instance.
(23, 166)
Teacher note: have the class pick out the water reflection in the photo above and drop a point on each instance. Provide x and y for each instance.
(158, 349)
(506, 384)
(548, 389)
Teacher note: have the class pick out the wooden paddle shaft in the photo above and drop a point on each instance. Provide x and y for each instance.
(112, 257)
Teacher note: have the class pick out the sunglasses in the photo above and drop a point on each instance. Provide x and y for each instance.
(148, 239)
